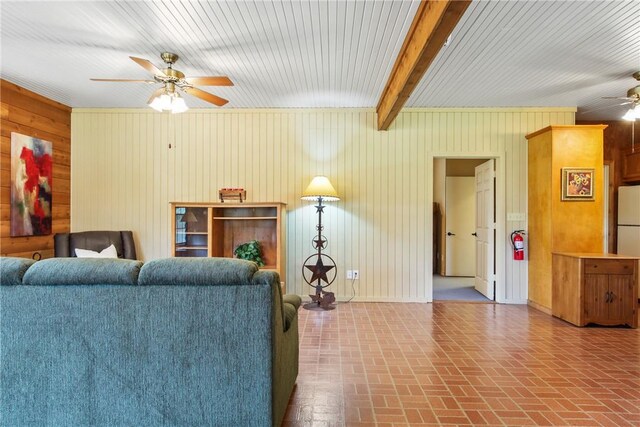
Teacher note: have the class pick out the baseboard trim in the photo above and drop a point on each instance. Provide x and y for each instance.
(343, 299)
(539, 307)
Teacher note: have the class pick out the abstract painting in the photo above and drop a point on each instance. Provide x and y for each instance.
(31, 183)
(577, 184)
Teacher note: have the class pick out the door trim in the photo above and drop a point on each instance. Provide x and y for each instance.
(500, 196)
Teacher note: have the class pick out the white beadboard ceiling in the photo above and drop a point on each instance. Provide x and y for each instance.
(325, 53)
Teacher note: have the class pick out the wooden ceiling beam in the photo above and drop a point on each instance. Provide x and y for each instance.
(432, 25)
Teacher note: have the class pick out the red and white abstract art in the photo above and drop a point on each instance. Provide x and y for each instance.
(31, 186)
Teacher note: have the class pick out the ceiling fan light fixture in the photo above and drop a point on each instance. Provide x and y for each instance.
(178, 105)
(632, 114)
(169, 102)
(159, 102)
(629, 116)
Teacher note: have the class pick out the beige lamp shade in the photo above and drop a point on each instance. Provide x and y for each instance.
(320, 187)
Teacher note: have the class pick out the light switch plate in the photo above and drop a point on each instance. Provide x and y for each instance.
(516, 216)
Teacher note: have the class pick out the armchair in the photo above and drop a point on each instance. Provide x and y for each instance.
(65, 244)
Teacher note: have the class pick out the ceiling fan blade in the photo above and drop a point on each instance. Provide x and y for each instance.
(606, 106)
(206, 96)
(155, 94)
(618, 97)
(123, 80)
(147, 65)
(210, 81)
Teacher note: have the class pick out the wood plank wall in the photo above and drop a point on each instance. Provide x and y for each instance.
(124, 176)
(28, 113)
(617, 142)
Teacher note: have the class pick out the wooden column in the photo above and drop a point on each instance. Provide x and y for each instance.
(556, 225)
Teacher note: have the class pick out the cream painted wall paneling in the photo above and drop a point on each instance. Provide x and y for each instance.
(124, 174)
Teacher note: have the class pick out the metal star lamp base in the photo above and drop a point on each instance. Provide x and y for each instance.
(319, 269)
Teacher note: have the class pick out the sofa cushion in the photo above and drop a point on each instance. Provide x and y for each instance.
(12, 270)
(197, 272)
(83, 271)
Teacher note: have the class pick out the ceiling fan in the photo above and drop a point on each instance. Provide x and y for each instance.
(167, 98)
(632, 99)
(633, 114)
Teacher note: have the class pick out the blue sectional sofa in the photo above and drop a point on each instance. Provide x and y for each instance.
(172, 342)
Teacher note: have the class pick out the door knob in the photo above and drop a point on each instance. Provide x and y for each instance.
(450, 234)
(474, 234)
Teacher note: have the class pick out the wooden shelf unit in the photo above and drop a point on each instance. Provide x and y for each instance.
(216, 229)
(595, 288)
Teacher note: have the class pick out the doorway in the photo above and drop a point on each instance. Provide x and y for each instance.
(464, 229)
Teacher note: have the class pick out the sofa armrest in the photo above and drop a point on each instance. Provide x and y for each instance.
(285, 349)
(292, 299)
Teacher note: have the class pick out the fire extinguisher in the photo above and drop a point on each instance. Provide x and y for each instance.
(517, 241)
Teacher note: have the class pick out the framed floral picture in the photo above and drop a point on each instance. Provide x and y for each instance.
(577, 184)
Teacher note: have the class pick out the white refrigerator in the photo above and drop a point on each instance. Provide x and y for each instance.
(629, 220)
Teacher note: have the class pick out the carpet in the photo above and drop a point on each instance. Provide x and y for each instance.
(456, 289)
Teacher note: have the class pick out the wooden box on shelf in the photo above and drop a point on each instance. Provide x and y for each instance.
(239, 194)
(595, 288)
(216, 229)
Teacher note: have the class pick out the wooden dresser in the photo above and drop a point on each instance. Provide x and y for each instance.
(595, 288)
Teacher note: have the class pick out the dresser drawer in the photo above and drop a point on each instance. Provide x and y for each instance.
(609, 266)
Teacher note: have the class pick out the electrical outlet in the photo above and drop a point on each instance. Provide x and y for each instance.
(349, 274)
(356, 275)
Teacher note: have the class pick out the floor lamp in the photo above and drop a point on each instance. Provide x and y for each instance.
(316, 266)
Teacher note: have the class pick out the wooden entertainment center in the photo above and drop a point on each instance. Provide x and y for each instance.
(216, 229)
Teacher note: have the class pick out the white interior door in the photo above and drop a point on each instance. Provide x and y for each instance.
(460, 225)
(485, 229)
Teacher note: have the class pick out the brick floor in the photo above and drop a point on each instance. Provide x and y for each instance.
(393, 364)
